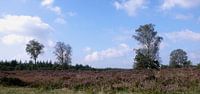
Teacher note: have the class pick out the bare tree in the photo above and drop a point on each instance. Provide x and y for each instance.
(63, 53)
(34, 48)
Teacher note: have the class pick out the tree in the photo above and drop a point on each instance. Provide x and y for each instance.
(141, 62)
(178, 58)
(63, 53)
(34, 48)
(148, 55)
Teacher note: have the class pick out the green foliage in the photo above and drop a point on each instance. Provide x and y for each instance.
(147, 57)
(82, 67)
(198, 66)
(187, 63)
(144, 62)
(40, 65)
(12, 82)
(34, 48)
(178, 58)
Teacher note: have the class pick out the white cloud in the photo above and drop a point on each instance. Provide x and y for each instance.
(130, 6)
(183, 16)
(121, 50)
(56, 9)
(163, 45)
(168, 4)
(19, 29)
(194, 55)
(15, 23)
(13, 38)
(183, 35)
(21, 56)
(49, 5)
(47, 2)
(60, 20)
(87, 49)
(71, 14)
(51, 43)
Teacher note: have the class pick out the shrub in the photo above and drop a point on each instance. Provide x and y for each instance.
(6, 81)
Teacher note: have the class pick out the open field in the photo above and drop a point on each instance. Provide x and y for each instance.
(165, 81)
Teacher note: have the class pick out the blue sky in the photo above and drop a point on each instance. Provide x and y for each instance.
(99, 31)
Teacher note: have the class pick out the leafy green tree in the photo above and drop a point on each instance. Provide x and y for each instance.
(179, 58)
(63, 53)
(142, 62)
(147, 57)
(34, 48)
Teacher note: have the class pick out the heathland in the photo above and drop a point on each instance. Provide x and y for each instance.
(164, 81)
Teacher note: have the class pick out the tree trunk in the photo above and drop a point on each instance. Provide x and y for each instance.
(35, 60)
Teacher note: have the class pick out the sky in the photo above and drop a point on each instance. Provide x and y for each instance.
(99, 31)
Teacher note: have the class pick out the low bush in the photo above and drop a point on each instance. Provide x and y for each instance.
(6, 81)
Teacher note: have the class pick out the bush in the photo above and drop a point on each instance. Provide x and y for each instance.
(6, 81)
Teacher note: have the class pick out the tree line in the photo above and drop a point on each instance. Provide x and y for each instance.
(62, 52)
(147, 55)
(40, 65)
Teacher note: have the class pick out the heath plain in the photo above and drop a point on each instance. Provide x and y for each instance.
(99, 47)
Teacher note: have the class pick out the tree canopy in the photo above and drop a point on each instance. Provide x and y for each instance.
(34, 48)
(63, 53)
(147, 56)
(179, 58)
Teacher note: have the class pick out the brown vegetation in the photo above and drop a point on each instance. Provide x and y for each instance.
(163, 81)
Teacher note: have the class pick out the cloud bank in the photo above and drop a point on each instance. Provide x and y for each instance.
(119, 51)
(183, 35)
(130, 6)
(49, 5)
(16, 29)
(169, 4)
